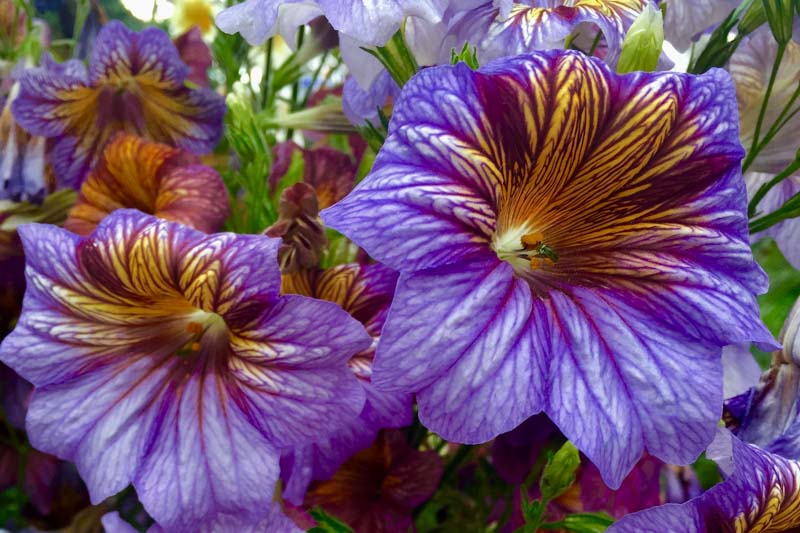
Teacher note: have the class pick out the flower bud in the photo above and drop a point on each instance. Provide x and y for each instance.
(780, 17)
(642, 45)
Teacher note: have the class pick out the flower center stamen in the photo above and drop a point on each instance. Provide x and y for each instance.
(525, 250)
(198, 328)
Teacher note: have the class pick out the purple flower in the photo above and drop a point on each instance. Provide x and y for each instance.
(569, 240)
(135, 83)
(545, 24)
(767, 414)
(24, 174)
(378, 488)
(371, 22)
(166, 358)
(364, 291)
(761, 492)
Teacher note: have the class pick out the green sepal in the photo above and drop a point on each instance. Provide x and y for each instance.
(397, 57)
(643, 42)
(559, 473)
(780, 17)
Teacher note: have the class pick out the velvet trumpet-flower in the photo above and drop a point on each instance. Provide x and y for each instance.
(167, 358)
(546, 24)
(135, 83)
(761, 493)
(767, 414)
(167, 182)
(569, 240)
(378, 488)
(364, 291)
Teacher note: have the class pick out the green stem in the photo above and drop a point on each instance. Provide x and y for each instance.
(765, 188)
(296, 84)
(314, 78)
(265, 80)
(762, 112)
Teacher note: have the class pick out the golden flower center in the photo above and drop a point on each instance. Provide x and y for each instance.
(205, 331)
(524, 249)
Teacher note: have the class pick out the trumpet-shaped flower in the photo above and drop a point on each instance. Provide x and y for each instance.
(364, 291)
(378, 488)
(569, 240)
(167, 182)
(24, 174)
(166, 358)
(545, 24)
(767, 414)
(135, 83)
(761, 492)
(371, 22)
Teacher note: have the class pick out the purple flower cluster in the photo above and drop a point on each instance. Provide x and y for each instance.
(224, 332)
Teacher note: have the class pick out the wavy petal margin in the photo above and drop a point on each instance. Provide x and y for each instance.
(166, 358)
(135, 84)
(761, 493)
(633, 184)
(364, 291)
(167, 182)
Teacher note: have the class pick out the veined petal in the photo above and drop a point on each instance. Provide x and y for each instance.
(489, 378)
(131, 339)
(617, 203)
(761, 493)
(136, 84)
(120, 53)
(546, 25)
(153, 178)
(606, 388)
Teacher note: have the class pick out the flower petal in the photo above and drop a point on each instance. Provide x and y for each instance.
(606, 387)
(761, 493)
(483, 381)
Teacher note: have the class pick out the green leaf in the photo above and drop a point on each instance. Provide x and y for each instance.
(587, 522)
(326, 523)
(559, 473)
(719, 49)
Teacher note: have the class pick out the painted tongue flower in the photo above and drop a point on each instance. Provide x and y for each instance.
(761, 493)
(569, 240)
(378, 488)
(167, 182)
(166, 358)
(364, 291)
(135, 83)
(24, 174)
(767, 414)
(546, 24)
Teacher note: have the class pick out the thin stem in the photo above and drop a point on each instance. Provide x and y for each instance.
(764, 189)
(265, 80)
(762, 112)
(781, 121)
(313, 82)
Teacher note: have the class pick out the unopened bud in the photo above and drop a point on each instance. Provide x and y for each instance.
(642, 45)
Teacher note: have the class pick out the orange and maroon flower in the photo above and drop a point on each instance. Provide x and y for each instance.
(157, 179)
